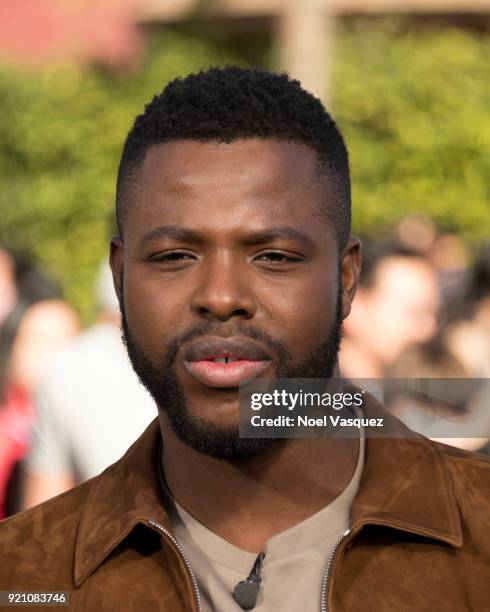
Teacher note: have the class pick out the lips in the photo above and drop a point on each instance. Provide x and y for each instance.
(225, 362)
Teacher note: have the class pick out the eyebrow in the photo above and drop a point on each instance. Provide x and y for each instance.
(272, 233)
(177, 232)
(173, 231)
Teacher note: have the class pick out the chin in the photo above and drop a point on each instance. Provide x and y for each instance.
(220, 416)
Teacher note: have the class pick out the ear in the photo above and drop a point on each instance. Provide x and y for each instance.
(350, 268)
(116, 260)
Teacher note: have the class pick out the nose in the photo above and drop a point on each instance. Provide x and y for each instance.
(222, 291)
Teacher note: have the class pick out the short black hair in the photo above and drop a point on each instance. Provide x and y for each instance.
(231, 103)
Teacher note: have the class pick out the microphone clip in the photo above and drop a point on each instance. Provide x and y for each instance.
(246, 592)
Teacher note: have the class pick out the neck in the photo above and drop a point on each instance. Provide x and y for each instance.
(248, 502)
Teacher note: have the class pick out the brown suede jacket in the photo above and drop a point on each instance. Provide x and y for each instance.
(420, 536)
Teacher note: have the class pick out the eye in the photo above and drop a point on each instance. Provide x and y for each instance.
(277, 257)
(173, 257)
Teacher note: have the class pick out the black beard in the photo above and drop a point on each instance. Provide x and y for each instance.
(207, 438)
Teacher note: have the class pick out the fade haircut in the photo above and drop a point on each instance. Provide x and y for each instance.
(232, 103)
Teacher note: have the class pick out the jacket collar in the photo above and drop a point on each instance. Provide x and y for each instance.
(405, 485)
(125, 494)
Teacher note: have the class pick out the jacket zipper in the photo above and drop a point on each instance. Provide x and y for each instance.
(195, 587)
(180, 550)
(326, 575)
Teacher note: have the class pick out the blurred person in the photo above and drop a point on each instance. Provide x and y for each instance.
(450, 257)
(467, 337)
(470, 341)
(30, 338)
(417, 232)
(8, 289)
(430, 396)
(467, 332)
(467, 329)
(477, 295)
(90, 389)
(396, 306)
(21, 281)
(235, 260)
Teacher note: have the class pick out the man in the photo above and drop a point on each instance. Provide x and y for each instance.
(396, 307)
(234, 261)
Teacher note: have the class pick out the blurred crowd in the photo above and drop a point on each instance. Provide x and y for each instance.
(422, 311)
(62, 389)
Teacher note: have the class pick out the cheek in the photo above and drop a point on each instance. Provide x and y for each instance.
(154, 313)
(302, 313)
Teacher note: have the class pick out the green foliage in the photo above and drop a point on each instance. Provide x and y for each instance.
(413, 105)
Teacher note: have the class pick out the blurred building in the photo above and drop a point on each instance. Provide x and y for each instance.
(303, 31)
(35, 32)
(110, 32)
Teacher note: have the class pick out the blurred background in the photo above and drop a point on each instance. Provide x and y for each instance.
(408, 81)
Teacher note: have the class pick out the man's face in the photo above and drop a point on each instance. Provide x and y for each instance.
(399, 310)
(229, 269)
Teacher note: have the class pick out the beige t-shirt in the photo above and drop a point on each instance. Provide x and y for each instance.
(294, 563)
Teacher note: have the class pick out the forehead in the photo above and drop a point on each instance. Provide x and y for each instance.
(187, 163)
(181, 180)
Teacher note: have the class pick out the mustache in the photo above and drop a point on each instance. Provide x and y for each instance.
(211, 329)
(222, 330)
